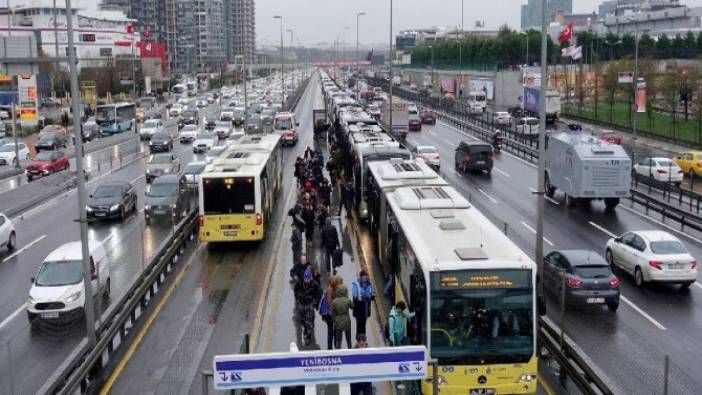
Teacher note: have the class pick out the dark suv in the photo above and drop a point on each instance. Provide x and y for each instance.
(189, 117)
(166, 198)
(474, 156)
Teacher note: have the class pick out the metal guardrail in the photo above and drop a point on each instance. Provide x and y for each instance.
(82, 367)
(670, 191)
(573, 362)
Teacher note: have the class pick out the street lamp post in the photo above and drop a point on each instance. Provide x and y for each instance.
(539, 250)
(292, 68)
(80, 180)
(358, 58)
(282, 62)
(634, 107)
(432, 63)
(460, 40)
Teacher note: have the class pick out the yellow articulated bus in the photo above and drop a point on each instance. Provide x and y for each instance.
(472, 290)
(237, 191)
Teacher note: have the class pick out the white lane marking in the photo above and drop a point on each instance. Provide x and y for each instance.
(492, 199)
(23, 249)
(106, 239)
(13, 315)
(698, 285)
(520, 159)
(643, 313)
(661, 224)
(533, 190)
(602, 229)
(137, 179)
(501, 172)
(532, 230)
(456, 173)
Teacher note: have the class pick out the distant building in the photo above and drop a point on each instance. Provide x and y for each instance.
(411, 38)
(98, 35)
(669, 21)
(240, 22)
(531, 12)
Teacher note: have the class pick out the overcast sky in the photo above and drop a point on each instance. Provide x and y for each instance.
(316, 21)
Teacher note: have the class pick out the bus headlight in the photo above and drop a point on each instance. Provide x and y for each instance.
(441, 379)
(527, 377)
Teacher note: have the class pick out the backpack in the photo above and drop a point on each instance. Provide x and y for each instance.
(324, 305)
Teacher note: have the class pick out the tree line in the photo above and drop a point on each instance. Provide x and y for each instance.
(509, 48)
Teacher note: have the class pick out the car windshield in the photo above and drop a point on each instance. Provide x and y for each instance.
(426, 150)
(42, 156)
(224, 124)
(48, 134)
(492, 323)
(162, 189)
(666, 163)
(668, 247)
(189, 114)
(108, 191)
(190, 128)
(8, 148)
(159, 137)
(593, 271)
(59, 273)
(195, 168)
(150, 124)
(283, 123)
(532, 121)
(205, 136)
(160, 159)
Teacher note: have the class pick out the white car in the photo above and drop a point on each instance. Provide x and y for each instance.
(527, 125)
(210, 99)
(429, 154)
(214, 153)
(8, 238)
(184, 101)
(502, 118)
(223, 129)
(660, 169)
(149, 128)
(204, 142)
(7, 153)
(188, 133)
(652, 256)
(57, 293)
(176, 110)
(201, 103)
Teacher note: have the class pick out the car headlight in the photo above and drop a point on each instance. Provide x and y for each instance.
(114, 207)
(148, 171)
(147, 207)
(73, 298)
(527, 377)
(88, 208)
(45, 171)
(31, 301)
(173, 206)
(166, 171)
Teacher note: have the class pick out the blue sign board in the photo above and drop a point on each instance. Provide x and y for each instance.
(320, 367)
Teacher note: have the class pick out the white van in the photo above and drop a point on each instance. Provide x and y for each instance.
(57, 293)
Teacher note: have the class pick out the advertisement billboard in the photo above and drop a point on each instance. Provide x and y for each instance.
(625, 77)
(27, 89)
(482, 85)
(640, 95)
(448, 85)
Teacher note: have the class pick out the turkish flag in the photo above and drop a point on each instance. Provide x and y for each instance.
(567, 34)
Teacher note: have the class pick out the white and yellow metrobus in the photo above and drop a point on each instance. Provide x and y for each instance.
(472, 289)
(237, 191)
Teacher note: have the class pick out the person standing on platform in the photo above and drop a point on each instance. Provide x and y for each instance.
(365, 388)
(307, 296)
(363, 294)
(340, 311)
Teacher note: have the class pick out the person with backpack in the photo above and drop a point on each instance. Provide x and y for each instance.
(307, 297)
(333, 282)
(362, 293)
(397, 324)
(340, 312)
(330, 241)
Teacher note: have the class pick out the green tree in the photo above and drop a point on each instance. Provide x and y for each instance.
(647, 46)
(690, 44)
(610, 86)
(663, 47)
(670, 91)
(678, 46)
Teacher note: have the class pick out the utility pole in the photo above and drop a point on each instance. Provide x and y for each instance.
(80, 180)
(539, 250)
(390, 74)
(358, 54)
(282, 62)
(460, 40)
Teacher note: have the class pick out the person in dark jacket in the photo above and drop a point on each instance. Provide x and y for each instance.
(309, 217)
(362, 293)
(296, 243)
(340, 309)
(330, 241)
(298, 270)
(325, 192)
(347, 195)
(307, 296)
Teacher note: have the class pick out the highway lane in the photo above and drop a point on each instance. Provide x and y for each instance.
(215, 301)
(130, 245)
(619, 343)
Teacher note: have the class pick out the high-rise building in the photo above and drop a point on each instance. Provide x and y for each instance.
(240, 24)
(531, 12)
(148, 15)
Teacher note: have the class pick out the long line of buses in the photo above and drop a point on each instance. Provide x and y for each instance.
(472, 289)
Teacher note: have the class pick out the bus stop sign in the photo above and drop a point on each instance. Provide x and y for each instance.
(319, 367)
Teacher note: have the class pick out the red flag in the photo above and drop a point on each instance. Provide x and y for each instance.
(130, 28)
(567, 34)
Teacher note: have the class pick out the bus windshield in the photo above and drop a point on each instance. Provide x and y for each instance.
(283, 123)
(231, 195)
(490, 323)
(105, 114)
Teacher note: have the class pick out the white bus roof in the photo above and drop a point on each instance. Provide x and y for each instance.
(447, 233)
(250, 142)
(395, 173)
(371, 137)
(244, 164)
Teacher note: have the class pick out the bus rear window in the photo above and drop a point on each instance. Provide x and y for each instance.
(231, 195)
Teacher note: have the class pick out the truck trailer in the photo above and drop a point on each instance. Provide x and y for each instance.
(586, 168)
(531, 103)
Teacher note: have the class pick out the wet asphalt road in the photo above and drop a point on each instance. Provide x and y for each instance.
(650, 323)
(130, 245)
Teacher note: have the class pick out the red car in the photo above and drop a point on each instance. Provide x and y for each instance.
(45, 163)
(610, 137)
(428, 117)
